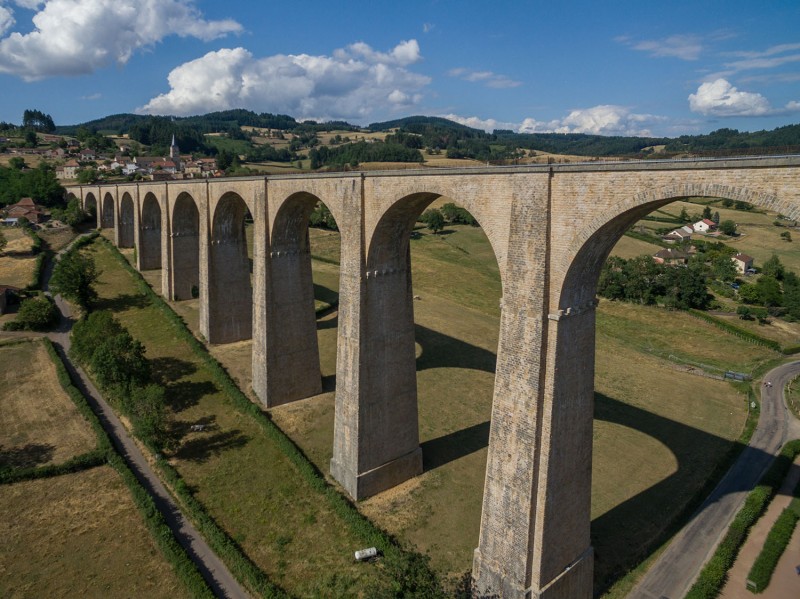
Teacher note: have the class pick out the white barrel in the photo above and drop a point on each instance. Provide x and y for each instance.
(363, 554)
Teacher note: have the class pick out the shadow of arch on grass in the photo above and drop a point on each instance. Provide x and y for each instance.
(617, 534)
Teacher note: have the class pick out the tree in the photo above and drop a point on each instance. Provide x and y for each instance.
(35, 314)
(715, 218)
(684, 216)
(3, 242)
(74, 277)
(38, 121)
(433, 219)
(723, 268)
(707, 212)
(774, 268)
(744, 312)
(786, 236)
(87, 175)
(16, 162)
(728, 227)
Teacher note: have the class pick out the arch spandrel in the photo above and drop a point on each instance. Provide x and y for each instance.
(486, 197)
(338, 194)
(249, 192)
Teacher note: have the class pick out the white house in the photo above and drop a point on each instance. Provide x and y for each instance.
(704, 226)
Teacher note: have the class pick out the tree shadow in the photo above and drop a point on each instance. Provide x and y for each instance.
(25, 456)
(203, 447)
(168, 369)
(119, 303)
(185, 394)
(442, 351)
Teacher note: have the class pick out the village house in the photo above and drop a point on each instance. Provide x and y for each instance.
(681, 234)
(671, 257)
(27, 208)
(743, 263)
(704, 226)
(68, 171)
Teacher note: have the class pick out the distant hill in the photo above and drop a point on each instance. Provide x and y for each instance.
(442, 135)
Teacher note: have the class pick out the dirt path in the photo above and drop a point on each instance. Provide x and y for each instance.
(673, 573)
(211, 567)
(785, 581)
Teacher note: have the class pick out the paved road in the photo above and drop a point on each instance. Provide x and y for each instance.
(673, 573)
(211, 567)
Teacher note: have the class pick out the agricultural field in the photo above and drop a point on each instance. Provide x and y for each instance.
(17, 262)
(79, 535)
(76, 534)
(39, 424)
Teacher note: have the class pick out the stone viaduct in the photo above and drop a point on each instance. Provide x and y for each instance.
(551, 228)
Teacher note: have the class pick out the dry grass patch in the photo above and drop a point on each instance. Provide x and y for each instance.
(57, 238)
(78, 535)
(39, 424)
(628, 248)
(17, 263)
(785, 333)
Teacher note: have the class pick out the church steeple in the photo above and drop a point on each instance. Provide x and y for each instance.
(174, 152)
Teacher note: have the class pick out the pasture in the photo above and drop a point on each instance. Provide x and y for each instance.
(39, 424)
(79, 535)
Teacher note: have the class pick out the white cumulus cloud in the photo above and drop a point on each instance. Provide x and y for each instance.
(350, 84)
(720, 98)
(605, 119)
(6, 19)
(75, 37)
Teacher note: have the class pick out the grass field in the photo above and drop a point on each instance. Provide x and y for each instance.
(16, 260)
(78, 535)
(244, 481)
(39, 424)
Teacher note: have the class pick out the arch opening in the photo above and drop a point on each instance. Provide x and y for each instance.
(185, 251)
(641, 344)
(126, 233)
(436, 295)
(90, 206)
(150, 234)
(107, 215)
(230, 292)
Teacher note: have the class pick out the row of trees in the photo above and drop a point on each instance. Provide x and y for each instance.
(120, 367)
(355, 153)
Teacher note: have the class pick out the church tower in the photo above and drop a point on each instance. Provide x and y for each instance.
(174, 152)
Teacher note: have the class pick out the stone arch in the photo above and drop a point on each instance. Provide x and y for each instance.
(150, 234)
(107, 215)
(126, 233)
(185, 248)
(230, 293)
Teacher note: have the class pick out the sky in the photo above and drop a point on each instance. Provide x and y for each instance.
(611, 68)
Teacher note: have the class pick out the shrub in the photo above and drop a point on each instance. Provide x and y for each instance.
(35, 314)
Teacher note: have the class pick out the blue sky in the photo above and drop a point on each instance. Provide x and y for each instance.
(613, 67)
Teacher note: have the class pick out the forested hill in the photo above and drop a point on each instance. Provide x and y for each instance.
(440, 134)
(213, 122)
(437, 131)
